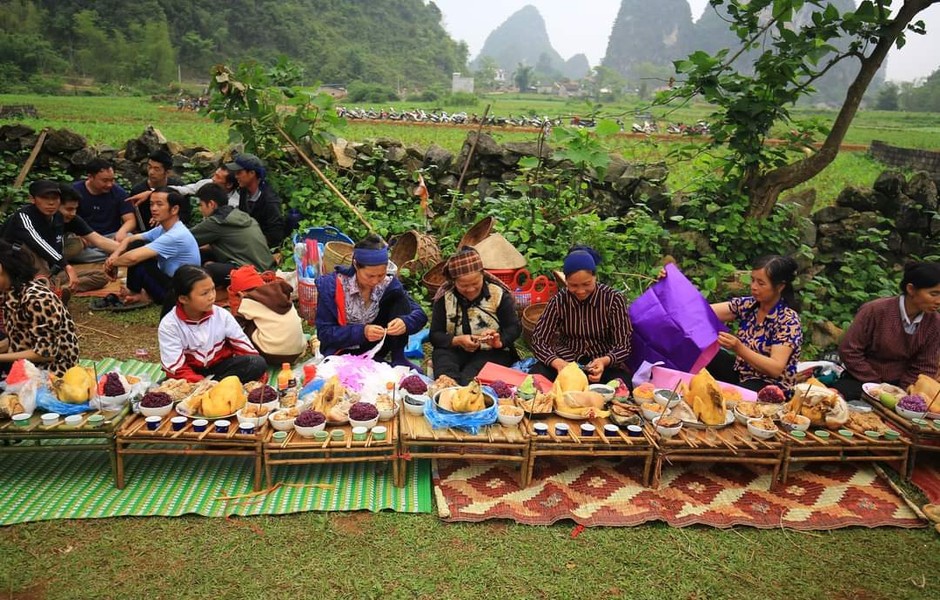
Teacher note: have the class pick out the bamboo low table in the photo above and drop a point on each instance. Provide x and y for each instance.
(732, 444)
(30, 438)
(297, 450)
(494, 443)
(600, 444)
(839, 448)
(133, 438)
(922, 438)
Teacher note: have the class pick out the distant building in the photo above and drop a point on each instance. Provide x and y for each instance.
(459, 83)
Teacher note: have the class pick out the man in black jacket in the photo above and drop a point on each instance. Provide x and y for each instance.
(257, 198)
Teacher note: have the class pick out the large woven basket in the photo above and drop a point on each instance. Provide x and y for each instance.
(414, 251)
(530, 317)
(434, 278)
(336, 254)
(477, 233)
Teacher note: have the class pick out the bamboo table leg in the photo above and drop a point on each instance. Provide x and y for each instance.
(786, 467)
(396, 476)
(119, 467)
(257, 479)
(657, 471)
(646, 469)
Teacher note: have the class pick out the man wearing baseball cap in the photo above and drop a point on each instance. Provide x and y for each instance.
(41, 228)
(257, 198)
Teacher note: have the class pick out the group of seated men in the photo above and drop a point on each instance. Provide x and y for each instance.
(149, 230)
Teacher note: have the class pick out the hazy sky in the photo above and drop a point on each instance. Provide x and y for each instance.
(575, 27)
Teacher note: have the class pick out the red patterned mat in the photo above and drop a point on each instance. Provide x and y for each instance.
(926, 475)
(599, 492)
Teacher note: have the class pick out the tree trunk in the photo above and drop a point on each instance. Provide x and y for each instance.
(764, 190)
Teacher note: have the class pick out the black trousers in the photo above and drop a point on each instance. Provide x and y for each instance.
(247, 367)
(463, 366)
(609, 373)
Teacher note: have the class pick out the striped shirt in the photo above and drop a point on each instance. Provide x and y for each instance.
(597, 326)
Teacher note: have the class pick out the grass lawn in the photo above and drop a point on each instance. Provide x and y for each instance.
(365, 555)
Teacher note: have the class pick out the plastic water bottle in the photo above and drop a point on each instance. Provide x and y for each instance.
(285, 379)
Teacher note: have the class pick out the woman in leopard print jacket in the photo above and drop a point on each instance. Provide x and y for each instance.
(36, 324)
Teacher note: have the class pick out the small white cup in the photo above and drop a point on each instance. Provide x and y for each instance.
(50, 418)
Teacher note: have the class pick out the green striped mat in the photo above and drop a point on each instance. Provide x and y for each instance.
(38, 486)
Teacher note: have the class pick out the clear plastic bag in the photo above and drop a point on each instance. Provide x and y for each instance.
(469, 422)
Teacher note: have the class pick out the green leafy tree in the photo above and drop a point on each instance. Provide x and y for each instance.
(793, 55)
(888, 97)
(523, 77)
(924, 97)
(484, 79)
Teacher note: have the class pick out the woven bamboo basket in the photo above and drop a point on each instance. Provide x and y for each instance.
(336, 254)
(530, 317)
(434, 278)
(415, 251)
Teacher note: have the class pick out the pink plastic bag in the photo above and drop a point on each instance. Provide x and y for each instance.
(674, 324)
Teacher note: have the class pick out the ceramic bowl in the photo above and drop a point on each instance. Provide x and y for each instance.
(414, 403)
(801, 424)
(367, 424)
(909, 414)
(386, 414)
(666, 432)
(742, 416)
(159, 411)
(512, 415)
(604, 390)
(649, 415)
(759, 432)
(667, 398)
(257, 421)
(280, 424)
(307, 432)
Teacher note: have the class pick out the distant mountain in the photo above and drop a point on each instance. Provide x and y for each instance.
(647, 37)
(522, 38)
(576, 67)
(712, 34)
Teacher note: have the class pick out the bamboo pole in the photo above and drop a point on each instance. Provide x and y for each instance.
(473, 147)
(324, 178)
(21, 177)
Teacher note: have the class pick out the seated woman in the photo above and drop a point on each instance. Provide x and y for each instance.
(198, 339)
(267, 315)
(473, 320)
(586, 322)
(769, 337)
(893, 340)
(357, 306)
(36, 324)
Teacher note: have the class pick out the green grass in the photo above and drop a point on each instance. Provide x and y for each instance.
(112, 121)
(417, 556)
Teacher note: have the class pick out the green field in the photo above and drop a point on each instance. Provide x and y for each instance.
(111, 121)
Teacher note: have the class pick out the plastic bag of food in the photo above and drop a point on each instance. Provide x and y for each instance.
(469, 422)
(47, 402)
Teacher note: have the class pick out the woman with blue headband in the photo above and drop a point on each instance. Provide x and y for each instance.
(360, 305)
(586, 322)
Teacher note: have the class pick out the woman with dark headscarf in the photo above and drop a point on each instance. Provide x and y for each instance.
(893, 340)
(586, 322)
(473, 320)
(360, 305)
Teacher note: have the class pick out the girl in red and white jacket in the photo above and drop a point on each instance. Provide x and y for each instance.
(198, 339)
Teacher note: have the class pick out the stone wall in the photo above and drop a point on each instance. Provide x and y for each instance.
(911, 158)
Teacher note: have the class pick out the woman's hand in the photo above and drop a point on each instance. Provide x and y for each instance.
(465, 342)
(491, 337)
(596, 367)
(729, 341)
(396, 327)
(374, 333)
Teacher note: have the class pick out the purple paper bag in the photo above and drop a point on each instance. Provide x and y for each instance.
(674, 324)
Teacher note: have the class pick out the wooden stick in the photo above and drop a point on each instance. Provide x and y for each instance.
(21, 177)
(110, 335)
(473, 147)
(325, 179)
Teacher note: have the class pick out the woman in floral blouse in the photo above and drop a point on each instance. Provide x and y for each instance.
(767, 345)
(36, 324)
